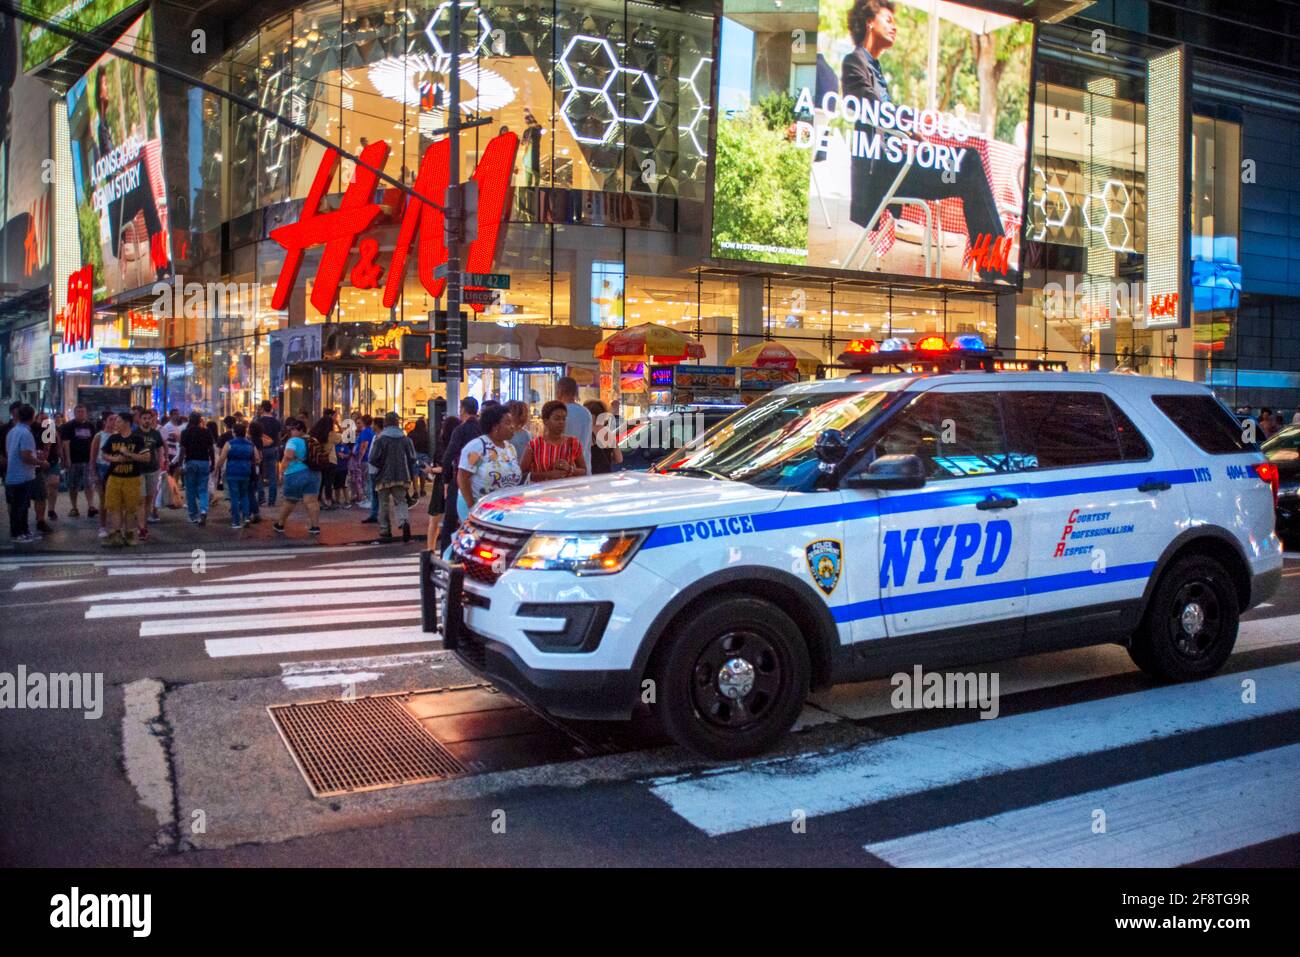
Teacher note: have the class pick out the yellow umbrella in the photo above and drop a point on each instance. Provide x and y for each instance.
(649, 340)
(776, 355)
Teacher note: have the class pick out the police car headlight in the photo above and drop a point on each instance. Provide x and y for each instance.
(597, 553)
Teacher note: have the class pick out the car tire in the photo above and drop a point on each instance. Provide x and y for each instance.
(731, 678)
(1191, 622)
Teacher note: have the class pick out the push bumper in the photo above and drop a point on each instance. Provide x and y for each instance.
(580, 694)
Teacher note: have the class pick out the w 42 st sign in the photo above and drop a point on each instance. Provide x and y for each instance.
(338, 230)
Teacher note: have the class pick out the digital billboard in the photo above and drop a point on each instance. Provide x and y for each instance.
(40, 44)
(117, 165)
(872, 136)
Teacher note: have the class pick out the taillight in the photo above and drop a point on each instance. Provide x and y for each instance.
(1267, 472)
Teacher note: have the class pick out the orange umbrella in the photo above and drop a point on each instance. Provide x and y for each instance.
(776, 355)
(659, 343)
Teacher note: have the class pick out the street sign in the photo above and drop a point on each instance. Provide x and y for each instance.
(491, 280)
(480, 297)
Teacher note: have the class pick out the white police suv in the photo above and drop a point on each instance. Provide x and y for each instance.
(949, 512)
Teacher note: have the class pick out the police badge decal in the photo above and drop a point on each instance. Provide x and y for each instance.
(824, 563)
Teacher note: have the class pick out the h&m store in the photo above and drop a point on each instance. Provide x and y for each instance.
(1063, 178)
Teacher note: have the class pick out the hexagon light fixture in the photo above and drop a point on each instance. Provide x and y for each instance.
(603, 91)
(444, 12)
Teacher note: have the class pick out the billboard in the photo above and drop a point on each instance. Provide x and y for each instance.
(117, 167)
(40, 44)
(882, 137)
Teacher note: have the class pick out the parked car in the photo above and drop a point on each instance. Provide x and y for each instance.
(1283, 452)
(646, 441)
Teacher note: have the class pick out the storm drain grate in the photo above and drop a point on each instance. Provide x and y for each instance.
(363, 744)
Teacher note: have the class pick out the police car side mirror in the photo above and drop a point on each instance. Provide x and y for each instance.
(890, 472)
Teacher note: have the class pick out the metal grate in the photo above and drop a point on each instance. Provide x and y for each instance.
(342, 747)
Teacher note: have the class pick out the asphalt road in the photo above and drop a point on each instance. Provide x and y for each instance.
(1087, 762)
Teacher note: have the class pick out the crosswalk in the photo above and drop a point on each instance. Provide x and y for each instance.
(349, 604)
(1167, 816)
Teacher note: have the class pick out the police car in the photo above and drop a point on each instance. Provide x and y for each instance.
(934, 507)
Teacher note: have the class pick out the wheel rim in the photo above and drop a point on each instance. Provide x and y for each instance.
(737, 680)
(1195, 619)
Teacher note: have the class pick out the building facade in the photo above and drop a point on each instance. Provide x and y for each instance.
(614, 107)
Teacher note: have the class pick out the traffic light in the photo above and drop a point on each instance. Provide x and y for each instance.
(447, 346)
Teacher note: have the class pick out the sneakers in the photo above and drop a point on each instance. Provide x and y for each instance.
(237, 525)
(255, 520)
(52, 515)
(370, 520)
(44, 528)
(103, 532)
(279, 529)
(92, 512)
(113, 539)
(314, 530)
(130, 540)
(26, 539)
(144, 535)
(154, 519)
(203, 518)
(194, 520)
(385, 537)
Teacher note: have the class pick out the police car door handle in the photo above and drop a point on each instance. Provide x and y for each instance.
(994, 502)
(1151, 485)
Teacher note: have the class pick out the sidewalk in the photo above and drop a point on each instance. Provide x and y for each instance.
(341, 526)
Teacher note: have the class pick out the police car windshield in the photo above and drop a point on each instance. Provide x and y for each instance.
(770, 444)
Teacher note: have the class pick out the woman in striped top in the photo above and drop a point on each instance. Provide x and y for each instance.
(553, 455)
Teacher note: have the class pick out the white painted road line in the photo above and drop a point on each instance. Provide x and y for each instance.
(1164, 821)
(333, 599)
(28, 586)
(767, 792)
(212, 554)
(180, 627)
(321, 572)
(314, 641)
(253, 590)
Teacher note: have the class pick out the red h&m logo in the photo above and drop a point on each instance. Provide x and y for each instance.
(78, 332)
(339, 229)
(1163, 306)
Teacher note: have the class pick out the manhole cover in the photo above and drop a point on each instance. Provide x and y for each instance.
(363, 744)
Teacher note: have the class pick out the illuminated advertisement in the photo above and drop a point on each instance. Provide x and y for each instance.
(118, 169)
(873, 136)
(40, 44)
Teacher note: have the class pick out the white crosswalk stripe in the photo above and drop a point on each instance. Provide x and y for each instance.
(373, 602)
(1164, 821)
(732, 799)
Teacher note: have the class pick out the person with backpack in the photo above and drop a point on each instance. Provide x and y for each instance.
(393, 459)
(301, 465)
(270, 448)
(197, 452)
(238, 458)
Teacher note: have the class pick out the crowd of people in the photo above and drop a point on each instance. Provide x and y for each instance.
(1269, 421)
(130, 466)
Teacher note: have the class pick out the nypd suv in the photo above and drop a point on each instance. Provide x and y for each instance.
(950, 511)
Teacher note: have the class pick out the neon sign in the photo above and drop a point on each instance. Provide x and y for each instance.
(78, 330)
(338, 230)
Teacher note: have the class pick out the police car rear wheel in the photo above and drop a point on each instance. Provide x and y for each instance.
(1191, 623)
(732, 678)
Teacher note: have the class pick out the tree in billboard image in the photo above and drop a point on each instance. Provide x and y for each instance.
(756, 148)
(40, 44)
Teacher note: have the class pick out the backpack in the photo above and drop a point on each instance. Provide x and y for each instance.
(318, 456)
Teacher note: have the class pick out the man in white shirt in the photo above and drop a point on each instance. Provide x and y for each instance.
(578, 424)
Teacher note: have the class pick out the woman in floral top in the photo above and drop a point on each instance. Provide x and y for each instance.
(553, 455)
(488, 462)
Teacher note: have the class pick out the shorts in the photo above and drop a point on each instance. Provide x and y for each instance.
(300, 484)
(78, 476)
(123, 493)
(101, 470)
(151, 480)
(38, 486)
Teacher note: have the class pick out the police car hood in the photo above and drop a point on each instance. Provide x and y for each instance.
(623, 500)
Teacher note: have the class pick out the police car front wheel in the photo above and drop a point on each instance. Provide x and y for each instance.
(732, 677)
(1191, 623)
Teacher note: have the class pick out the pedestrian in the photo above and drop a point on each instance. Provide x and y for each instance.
(487, 462)
(22, 459)
(45, 493)
(1267, 424)
(236, 462)
(466, 430)
(151, 471)
(173, 495)
(124, 487)
(323, 431)
(342, 463)
(257, 437)
(519, 415)
(605, 453)
(578, 423)
(5, 429)
(419, 436)
(394, 460)
(358, 472)
(271, 449)
(107, 429)
(553, 454)
(75, 437)
(300, 482)
(197, 445)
